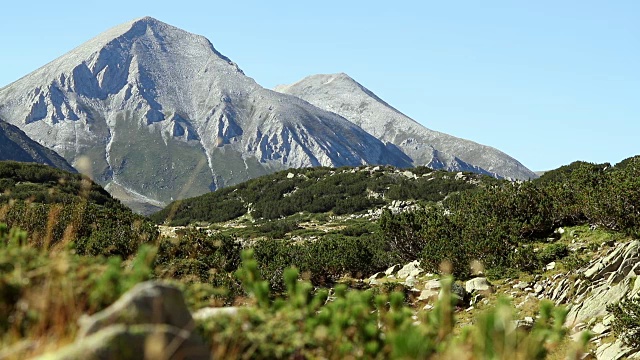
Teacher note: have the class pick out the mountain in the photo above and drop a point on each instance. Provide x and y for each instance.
(344, 96)
(162, 115)
(17, 146)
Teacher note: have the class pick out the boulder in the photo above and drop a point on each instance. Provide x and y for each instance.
(521, 285)
(478, 284)
(428, 295)
(392, 270)
(410, 281)
(373, 279)
(147, 341)
(433, 284)
(459, 293)
(524, 325)
(150, 302)
(412, 268)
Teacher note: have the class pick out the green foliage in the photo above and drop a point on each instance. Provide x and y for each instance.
(44, 292)
(277, 229)
(198, 257)
(626, 323)
(59, 208)
(316, 190)
(360, 324)
(552, 252)
(47, 185)
(493, 224)
(322, 262)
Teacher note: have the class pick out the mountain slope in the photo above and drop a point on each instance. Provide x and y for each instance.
(321, 190)
(342, 95)
(162, 115)
(16, 145)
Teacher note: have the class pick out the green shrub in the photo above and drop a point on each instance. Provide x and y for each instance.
(44, 292)
(626, 323)
(360, 324)
(196, 258)
(552, 252)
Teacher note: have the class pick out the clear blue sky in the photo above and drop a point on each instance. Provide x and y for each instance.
(548, 82)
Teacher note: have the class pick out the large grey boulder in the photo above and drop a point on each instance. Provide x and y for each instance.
(150, 321)
(147, 303)
(135, 342)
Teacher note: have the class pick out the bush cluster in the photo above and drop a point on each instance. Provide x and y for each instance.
(59, 208)
(359, 324)
(198, 257)
(322, 262)
(315, 190)
(494, 224)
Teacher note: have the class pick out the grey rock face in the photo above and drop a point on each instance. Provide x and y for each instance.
(150, 321)
(17, 146)
(147, 303)
(136, 342)
(162, 115)
(611, 279)
(606, 280)
(341, 94)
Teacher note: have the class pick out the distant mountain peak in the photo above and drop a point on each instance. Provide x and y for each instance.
(341, 94)
(162, 115)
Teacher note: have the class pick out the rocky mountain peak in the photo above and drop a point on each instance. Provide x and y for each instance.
(162, 115)
(346, 97)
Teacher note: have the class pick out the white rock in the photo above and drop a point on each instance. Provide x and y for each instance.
(408, 269)
(212, 312)
(392, 270)
(600, 328)
(428, 295)
(478, 284)
(432, 284)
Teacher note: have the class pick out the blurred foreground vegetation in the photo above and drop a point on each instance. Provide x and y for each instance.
(82, 249)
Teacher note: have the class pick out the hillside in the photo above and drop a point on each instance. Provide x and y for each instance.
(320, 190)
(17, 146)
(58, 208)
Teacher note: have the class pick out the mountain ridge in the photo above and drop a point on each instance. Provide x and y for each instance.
(343, 95)
(15, 145)
(161, 113)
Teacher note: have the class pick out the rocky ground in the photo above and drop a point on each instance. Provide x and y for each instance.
(608, 274)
